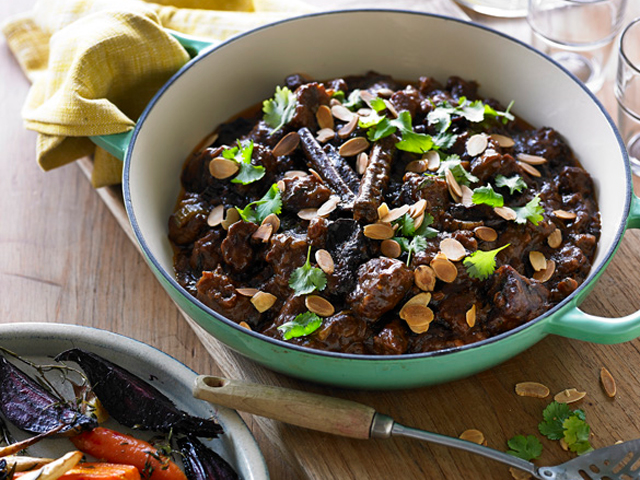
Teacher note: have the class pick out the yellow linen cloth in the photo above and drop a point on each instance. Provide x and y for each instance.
(95, 64)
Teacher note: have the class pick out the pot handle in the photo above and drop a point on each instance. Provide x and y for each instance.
(579, 325)
(118, 143)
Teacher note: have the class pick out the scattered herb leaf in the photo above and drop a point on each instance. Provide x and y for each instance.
(576, 434)
(560, 422)
(241, 154)
(514, 184)
(257, 211)
(354, 101)
(417, 244)
(481, 264)
(532, 211)
(488, 196)
(378, 104)
(454, 164)
(302, 325)
(307, 279)
(528, 448)
(279, 110)
(554, 416)
(411, 141)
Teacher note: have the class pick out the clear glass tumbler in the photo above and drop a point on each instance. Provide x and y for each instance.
(578, 34)
(627, 91)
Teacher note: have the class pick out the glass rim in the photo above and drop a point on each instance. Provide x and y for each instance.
(634, 66)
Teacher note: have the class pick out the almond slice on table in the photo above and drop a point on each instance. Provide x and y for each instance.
(467, 196)
(473, 435)
(608, 382)
(295, 173)
(308, 213)
(530, 169)
(433, 160)
(454, 186)
(273, 220)
(564, 215)
(569, 395)
(324, 135)
(263, 233)
(506, 213)
(417, 166)
(329, 206)
(232, 217)
(247, 291)
(532, 389)
(395, 214)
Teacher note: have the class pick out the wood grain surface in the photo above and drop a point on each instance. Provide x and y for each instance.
(66, 256)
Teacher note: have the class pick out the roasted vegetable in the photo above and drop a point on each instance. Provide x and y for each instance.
(18, 446)
(202, 463)
(55, 469)
(33, 409)
(102, 471)
(21, 463)
(133, 402)
(116, 447)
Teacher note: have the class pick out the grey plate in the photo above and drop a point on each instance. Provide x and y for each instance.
(39, 342)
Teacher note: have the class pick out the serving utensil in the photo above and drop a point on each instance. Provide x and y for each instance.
(355, 420)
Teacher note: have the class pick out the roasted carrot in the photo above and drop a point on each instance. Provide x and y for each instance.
(99, 471)
(116, 447)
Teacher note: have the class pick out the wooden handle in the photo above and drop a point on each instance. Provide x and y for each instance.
(308, 410)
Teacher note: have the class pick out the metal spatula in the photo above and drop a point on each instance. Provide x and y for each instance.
(351, 419)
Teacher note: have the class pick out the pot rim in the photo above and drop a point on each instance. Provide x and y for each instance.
(587, 284)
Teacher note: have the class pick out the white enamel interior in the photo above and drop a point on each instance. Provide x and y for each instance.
(406, 45)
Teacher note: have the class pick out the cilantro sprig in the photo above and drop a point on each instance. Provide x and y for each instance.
(307, 279)
(453, 163)
(562, 423)
(474, 112)
(480, 264)
(257, 211)
(279, 110)
(411, 141)
(302, 325)
(241, 154)
(412, 239)
(514, 184)
(532, 212)
(488, 196)
(528, 448)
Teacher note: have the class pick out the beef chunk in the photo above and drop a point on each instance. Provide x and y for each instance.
(304, 192)
(237, 251)
(206, 253)
(309, 97)
(392, 339)
(189, 219)
(382, 283)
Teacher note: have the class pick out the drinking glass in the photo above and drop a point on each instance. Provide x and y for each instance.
(497, 8)
(627, 90)
(578, 34)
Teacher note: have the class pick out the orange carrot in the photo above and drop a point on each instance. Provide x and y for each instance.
(116, 447)
(98, 471)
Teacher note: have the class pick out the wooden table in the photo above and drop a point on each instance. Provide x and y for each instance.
(65, 258)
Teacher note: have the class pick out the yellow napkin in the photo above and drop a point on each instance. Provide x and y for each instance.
(95, 64)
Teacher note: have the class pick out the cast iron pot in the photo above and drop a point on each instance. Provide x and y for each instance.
(225, 79)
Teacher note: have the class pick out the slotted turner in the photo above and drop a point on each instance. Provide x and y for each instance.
(352, 419)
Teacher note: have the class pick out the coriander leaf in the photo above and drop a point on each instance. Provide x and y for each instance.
(307, 279)
(338, 95)
(415, 142)
(440, 118)
(354, 101)
(378, 104)
(257, 211)
(444, 140)
(481, 264)
(279, 110)
(514, 184)
(454, 164)
(383, 129)
(528, 448)
(576, 434)
(302, 325)
(417, 244)
(487, 196)
(472, 111)
(554, 416)
(241, 154)
(407, 225)
(532, 211)
(506, 116)
(425, 230)
(370, 120)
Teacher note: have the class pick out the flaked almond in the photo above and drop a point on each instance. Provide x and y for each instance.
(467, 196)
(295, 173)
(329, 206)
(418, 208)
(417, 166)
(263, 301)
(317, 175)
(244, 324)
(474, 436)
(531, 159)
(486, 234)
(433, 160)
(385, 92)
(263, 233)
(392, 110)
(334, 101)
(416, 315)
(216, 216)
(608, 382)
(425, 278)
(324, 117)
(538, 260)
(232, 217)
(319, 306)
(563, 444)
(222, 168)
(342, 113)
(324, 135)
(470, 316)
(452, 183)
(324, 261)
(570, 395)
(353, 146)
(390, 248)
(564, 215)
(503, 140)
(532, 389)
(443, 268)
(378, 231)
(477, 144)
(287, 144)
(383, 210)
(247, 292)
(396, 213)
(544, 275)
(506, 213)
(417, 222)
(348, 128)
(364, 112)
(530, 169)
(555, 238)
(419, 328)
(273, 220)
(452, 249)
(422, 298)
(367, 97)
(308, 213)
(281, 185)
(518, 474)
(362, 162)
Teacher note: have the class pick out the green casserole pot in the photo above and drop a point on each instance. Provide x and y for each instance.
(225, 79)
